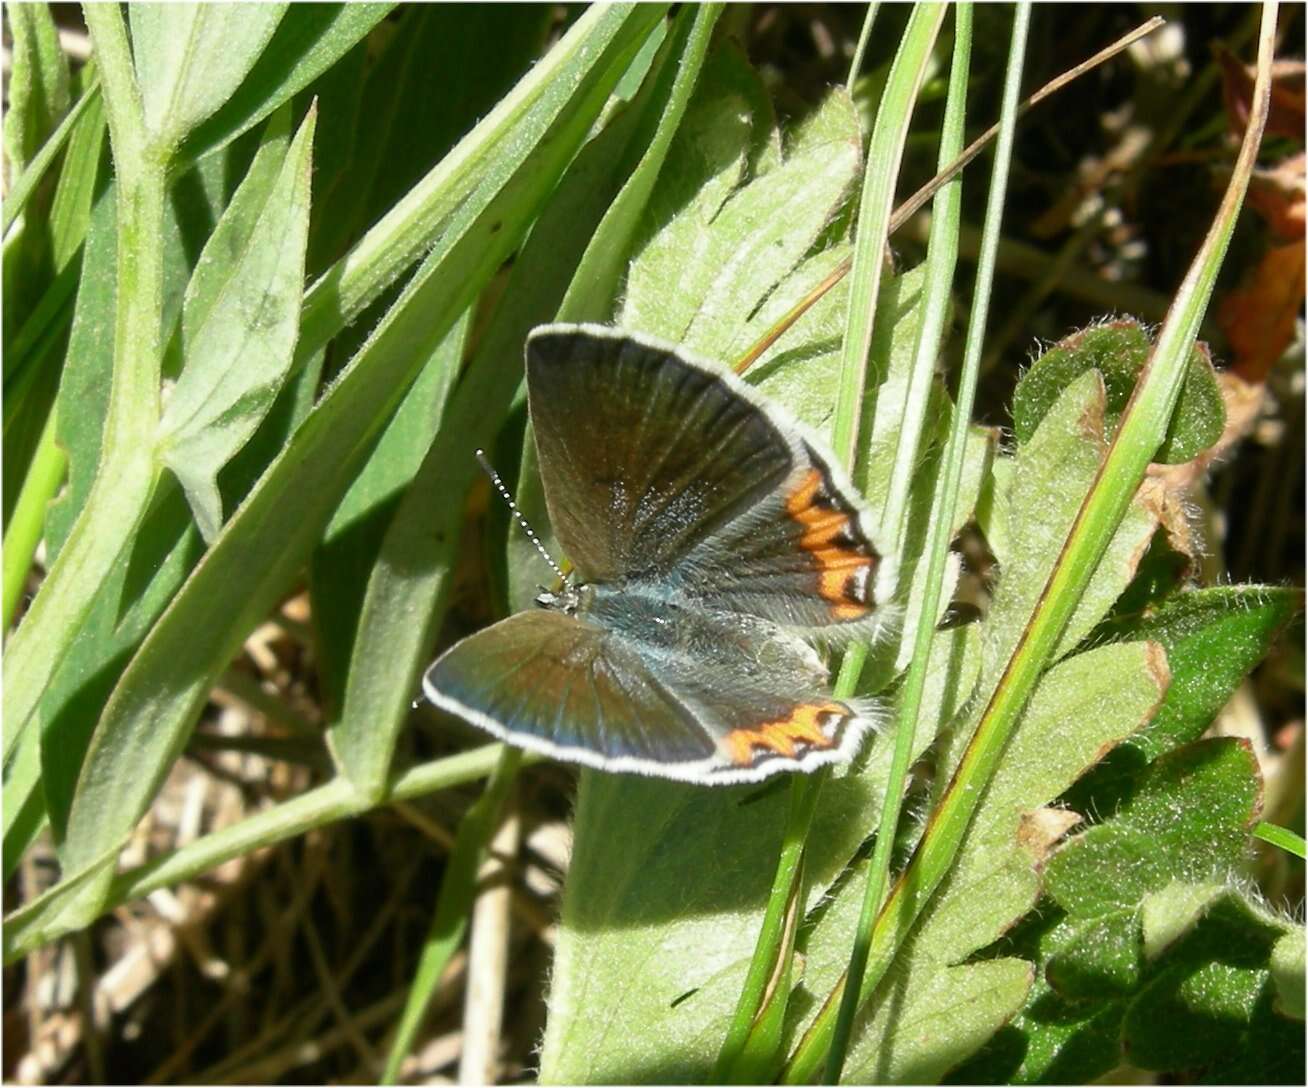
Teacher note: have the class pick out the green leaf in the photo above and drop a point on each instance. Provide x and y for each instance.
(674, 76)
(1189, 820)
(1208, 1009)
(934, 1010)
(309, 39)
(659, 918)
(730, 250)
(1213, 638)
(37, 91)
(1145, 945)
(1049, 479)
(1118, 350)
(494, 183)
(240, 321)
(190, 57)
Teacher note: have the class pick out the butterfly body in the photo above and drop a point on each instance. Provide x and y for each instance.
(707, 536)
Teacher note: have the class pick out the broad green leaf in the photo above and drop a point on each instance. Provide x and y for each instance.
(190, 57)
(730, 249)
(1051, 474)
(1144, 937)
(1118, 350)
(239, 322)
(1189, 819)
(1208, 1010)
(494, 183)
(307, 41)
(666, 892)
(1213, 638)
(933, 1011)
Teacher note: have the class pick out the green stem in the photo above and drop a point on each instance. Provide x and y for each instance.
(941, 258)
(126, 473)
(884, 153)
(860, 50)
(27, 522)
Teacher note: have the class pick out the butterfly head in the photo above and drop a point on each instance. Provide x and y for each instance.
(568, 600)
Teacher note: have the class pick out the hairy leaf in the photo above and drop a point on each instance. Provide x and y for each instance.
(240, 321)
(1118, 350)
(1148, 952)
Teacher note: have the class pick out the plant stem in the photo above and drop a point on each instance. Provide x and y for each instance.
(941, 259)
(126, 473)
(27, 522)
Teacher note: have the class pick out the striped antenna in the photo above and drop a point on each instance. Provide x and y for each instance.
(489, 469)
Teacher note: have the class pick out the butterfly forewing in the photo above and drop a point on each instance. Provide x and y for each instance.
(643, 460)
(658, 465)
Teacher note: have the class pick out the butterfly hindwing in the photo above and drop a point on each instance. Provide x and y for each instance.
(586, 693)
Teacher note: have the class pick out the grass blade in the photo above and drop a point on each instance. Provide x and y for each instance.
(1142, 431)
(942, 255)
(886, 147)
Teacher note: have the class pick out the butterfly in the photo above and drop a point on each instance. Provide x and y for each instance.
(708, 535)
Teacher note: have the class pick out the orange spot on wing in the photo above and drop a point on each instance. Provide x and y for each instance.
(840, 559)
(822, 532)
(799, 505)
(803, 726)
(822, 525)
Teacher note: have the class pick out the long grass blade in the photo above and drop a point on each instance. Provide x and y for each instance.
(1141, 431)
(942, 255)
(885, 151)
